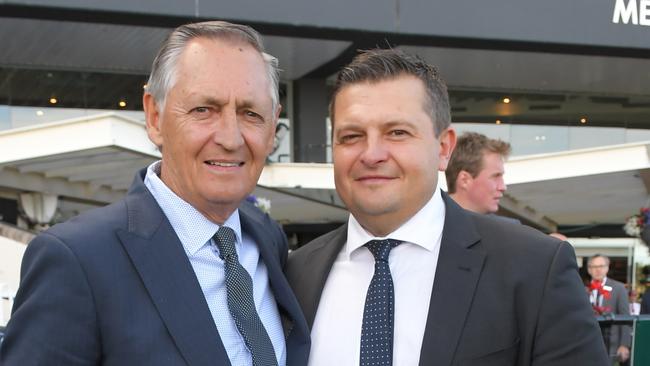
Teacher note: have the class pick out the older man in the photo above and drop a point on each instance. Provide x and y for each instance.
(608, 296)
(475, 172)
(182, 271)
(412, 278)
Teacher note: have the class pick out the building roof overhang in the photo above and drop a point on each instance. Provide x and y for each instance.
(93, 160)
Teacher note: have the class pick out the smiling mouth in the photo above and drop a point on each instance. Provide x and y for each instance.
(224, 164)
(373, 179)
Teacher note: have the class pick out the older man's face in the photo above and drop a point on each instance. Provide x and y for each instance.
(598, 268)
(217, 125)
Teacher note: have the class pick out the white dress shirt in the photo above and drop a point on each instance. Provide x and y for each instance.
(336, 333)
(195, 233)
(594, 295)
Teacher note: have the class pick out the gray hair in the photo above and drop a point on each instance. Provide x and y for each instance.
(163, 70)
(385, 64)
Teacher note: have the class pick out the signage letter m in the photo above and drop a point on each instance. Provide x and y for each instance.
(623, 13)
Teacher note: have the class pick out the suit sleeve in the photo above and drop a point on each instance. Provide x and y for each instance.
(567, 332)
(645, 303)
(623, 307)
(53, 319)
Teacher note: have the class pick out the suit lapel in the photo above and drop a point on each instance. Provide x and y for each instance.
(273, 247)
(611, 300)
(318, 264)
(167, 274)
(268, 246)
(457, 274)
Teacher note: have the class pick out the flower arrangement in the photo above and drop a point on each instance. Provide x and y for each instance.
(263, 204)
(636, 223)
(601, 292)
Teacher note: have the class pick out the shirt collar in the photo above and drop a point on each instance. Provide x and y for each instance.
(192, 228)
(423, 229)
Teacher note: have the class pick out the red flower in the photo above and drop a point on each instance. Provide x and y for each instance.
(602, 310)
(606, 294)
(595, 285)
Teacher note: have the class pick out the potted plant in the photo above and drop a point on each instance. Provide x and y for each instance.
(639, 225)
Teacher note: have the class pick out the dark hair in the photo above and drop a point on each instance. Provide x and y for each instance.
(468, 156)
(383, 64)
(598, 255)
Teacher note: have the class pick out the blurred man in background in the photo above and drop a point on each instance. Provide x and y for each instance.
(475, 172)
(610, 296)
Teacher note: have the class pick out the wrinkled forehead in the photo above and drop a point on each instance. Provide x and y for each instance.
(213, 62)
(211, 52)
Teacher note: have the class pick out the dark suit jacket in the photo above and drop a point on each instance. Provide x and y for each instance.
(115, 287)
(645, 302)
(504, 294)
(619, 335)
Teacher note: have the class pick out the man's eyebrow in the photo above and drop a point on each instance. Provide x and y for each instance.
(209, 100)
(354, 126)
(245, 104)
(219, 102)
(348, 126)
(399, 122)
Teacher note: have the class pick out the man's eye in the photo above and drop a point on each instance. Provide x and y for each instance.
(398, 133)
(201, 113)
(344, 139)
(252, 114)
(200, 110)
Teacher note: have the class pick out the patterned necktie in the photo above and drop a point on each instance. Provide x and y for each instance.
(239, 287)
(377, 328)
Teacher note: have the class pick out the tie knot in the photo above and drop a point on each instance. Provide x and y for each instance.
(380, 249)
(225, 239)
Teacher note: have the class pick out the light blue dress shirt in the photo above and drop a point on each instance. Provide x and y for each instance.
(195, 233)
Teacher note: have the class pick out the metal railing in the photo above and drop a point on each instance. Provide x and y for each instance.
(640, 355)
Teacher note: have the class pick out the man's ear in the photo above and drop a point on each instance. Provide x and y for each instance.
(447, 141)
(463, 180)
(152, 117)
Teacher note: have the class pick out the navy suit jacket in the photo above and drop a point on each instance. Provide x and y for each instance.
(115, 287)
(504, 294)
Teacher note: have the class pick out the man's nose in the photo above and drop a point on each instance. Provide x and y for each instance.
(227, 132)
(375, 151)
(502, 185)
